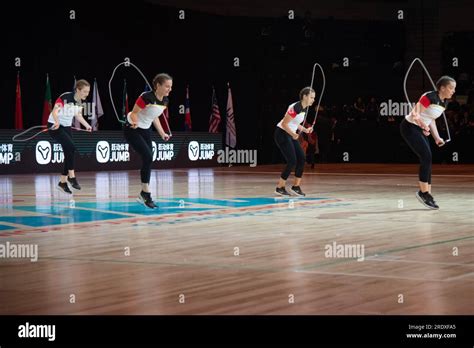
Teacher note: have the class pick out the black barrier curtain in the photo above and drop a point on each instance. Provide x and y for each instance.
(265, 53)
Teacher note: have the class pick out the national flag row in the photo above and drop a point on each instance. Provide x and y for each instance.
(97, 111)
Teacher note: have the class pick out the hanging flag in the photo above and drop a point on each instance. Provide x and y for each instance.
(187, 109)
(215, 119)
(74, 85)
(231, 134)
(47, 104)
(97, 110)
(125, 109)
(164, 123)
(18, 109)
(77, 124)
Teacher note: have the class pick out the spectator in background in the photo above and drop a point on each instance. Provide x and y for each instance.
(347, 113)
(307, 28)
(323, 130)
(373, 111)
(313, 148)
(454, 105)
(359, 109)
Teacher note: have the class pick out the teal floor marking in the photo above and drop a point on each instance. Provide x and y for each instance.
(62, 213)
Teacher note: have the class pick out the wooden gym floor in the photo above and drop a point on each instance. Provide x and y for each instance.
(221, 243)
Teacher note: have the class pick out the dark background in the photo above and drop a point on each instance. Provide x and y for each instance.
(276, 59)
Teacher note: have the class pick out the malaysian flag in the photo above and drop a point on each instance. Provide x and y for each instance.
(231, 135)
(215, 119)
(187, 110)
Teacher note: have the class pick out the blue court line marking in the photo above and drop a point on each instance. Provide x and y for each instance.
(100, 211)
(243, 202)
(187, 219)
(5, 227)
(61, 216)
(125, 208)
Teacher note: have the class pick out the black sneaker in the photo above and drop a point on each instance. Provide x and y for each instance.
(296, 190)
(145, 199)
(62, 186)
(282, 191)
(430, 197)
(73, 181)
(426, 199)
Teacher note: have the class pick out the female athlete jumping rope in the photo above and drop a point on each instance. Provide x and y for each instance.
(286, 138)
(419, 124)
(137, 131)
(67, 106)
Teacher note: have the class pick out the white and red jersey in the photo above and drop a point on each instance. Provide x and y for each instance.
(434, 107)
(151, 107)
(69, 108)
(297, 113)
